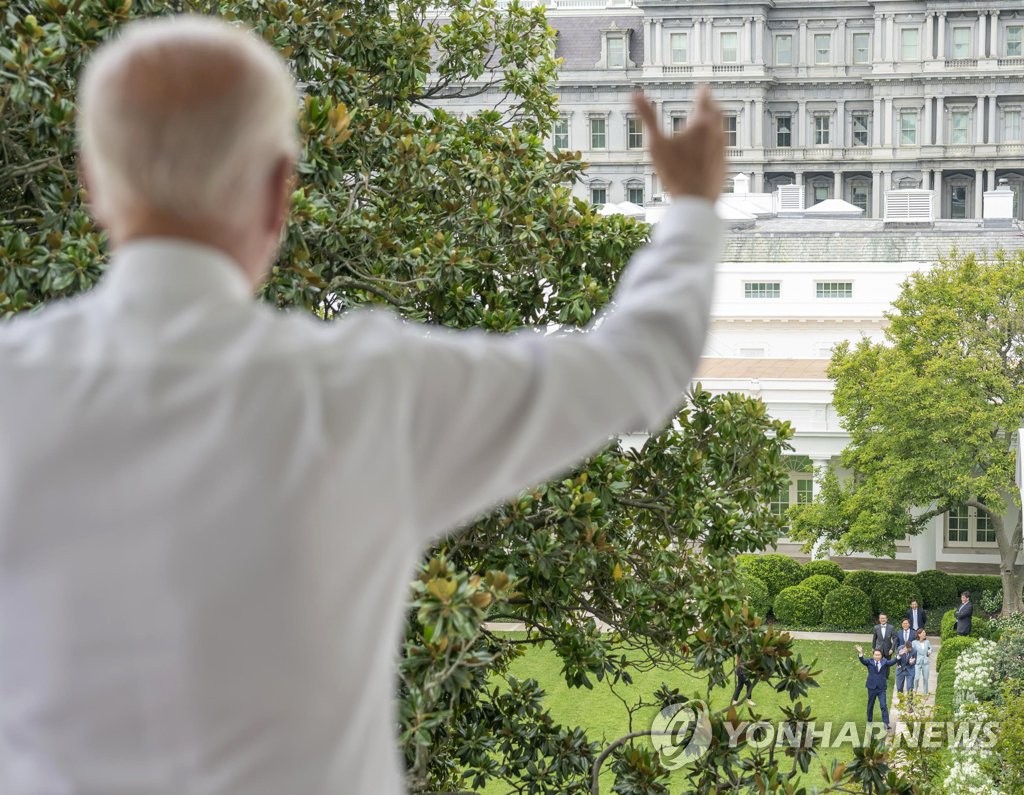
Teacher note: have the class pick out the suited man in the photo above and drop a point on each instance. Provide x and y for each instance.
(877, 682)
(916, 616)
(905, 634)
(963, 614)
(883, 636)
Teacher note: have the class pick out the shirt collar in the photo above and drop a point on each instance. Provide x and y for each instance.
(167, 270)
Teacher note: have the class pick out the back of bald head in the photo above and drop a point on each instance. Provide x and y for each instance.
(185, 115)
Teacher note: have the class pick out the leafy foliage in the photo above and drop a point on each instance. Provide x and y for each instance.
(892, 595)
(931, 414)
(979, 627)
(755, 594)
(827, 567)
(774, 570)
(862, 580)
(847, 608)
(798, 606)
(936, 588)
(821, 583)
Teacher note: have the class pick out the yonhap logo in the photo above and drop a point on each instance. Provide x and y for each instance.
(681, 734)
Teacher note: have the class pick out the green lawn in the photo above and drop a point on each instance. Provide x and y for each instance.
(841, 696)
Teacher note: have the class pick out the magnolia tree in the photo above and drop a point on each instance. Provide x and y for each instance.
(932, 414)
(625, 564)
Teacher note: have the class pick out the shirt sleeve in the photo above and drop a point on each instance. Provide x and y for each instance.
(493, 414)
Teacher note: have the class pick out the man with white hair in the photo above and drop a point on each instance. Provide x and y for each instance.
(208, 508)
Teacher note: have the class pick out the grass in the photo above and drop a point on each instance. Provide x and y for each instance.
(840, 697)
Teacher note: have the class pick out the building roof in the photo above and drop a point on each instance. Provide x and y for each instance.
(786, 369)
(867, 240)
(579, 38)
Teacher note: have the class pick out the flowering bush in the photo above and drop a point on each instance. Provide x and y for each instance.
(977, 673)
(972, 764)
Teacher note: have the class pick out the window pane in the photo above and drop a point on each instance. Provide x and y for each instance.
(678, 123)
(834, 289)
(1011, 124)
(616, 52)
(958, 202)
(783, 131)
(762, 289)
(985, 533)
(860, 129)
(729, 47)
(961, 42)
(634, 134)
(959, 123)
(822, 130)
(679, 49)
(598, 196)
(635, 194)
(1014, 37)
(859, 197)
(597, 134)
(560, 136)
(780, 503)
(804, 491)
(783, 50)
(729, 125)
(822, 48)
(908, 129)
(958, 524)
(861, 48)
(908, 44)
(820, 193)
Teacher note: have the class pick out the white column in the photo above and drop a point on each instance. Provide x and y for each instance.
(993, 37)
(981, 34)
(929, 36)
(937, 193)
(840, 56)
(992, 137)
(892, 36)
(758, 123)
(758, 54)
(695, 36)
(709, 44)
(876, 194)
(942, 36)
(745, 43)
(657, 55)
(757, 186)
(876, 123)
(878, 38)
(801, 124)
(923, 546)
(648, 41)
(837, 184)
(979, 189)
(748, 111)
(888, 130)
(979, 118)
(940, 121)
(819, 465)
(840, 133)
(926, 139)
(801, 41)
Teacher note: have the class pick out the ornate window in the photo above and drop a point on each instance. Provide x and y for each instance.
(822, 49)
(910, 44)
(784, 131)
(634, 132)
(598, 132)
(908, 128)
(862, 48)
(784, 50)
(728, 42)
(560, 134)
(679, 50)
(861, 129)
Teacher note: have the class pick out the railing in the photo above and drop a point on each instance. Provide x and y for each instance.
(728, 68)
(733, 152)
(676, 69)
(962, 63)
(1014, 61)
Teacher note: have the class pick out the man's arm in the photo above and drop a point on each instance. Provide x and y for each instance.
(489, 415)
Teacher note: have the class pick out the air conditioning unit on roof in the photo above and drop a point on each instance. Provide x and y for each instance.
(912, 206)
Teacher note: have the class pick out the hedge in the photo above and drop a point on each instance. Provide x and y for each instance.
(827, 567)
(798, 606)
(774, 570)
(756, 594)
(847, 608)
(862, 580)
(937, 588)
(821, 583)
(948, 652)
(951, 648)
(979, 627)
(892, 595)
(976, 584)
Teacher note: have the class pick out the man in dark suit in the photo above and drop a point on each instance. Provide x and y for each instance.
(877, 682)
(905, 635)
(916, 616)
(963, 614)
(883, 637)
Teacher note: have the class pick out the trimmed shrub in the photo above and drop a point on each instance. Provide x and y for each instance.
(847, 608)
(798, 606)
(892, 595)
(937, 588)
(862, 580)
(950, 649)
(756, 594)
(774, 570)
(948, 652)
(827, 567)
(821, 583)
(977, 585)
(979, 627)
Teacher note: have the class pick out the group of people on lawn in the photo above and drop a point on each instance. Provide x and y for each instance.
(906, 648)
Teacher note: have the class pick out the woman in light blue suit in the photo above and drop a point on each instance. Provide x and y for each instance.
(923, 651)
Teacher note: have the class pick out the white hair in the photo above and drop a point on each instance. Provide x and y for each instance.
(186, 114)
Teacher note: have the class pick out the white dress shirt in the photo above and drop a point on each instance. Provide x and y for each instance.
(210, 510)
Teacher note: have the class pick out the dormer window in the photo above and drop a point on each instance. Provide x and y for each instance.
(615, 48)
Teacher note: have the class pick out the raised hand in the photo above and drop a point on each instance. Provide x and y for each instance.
(690, 163)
